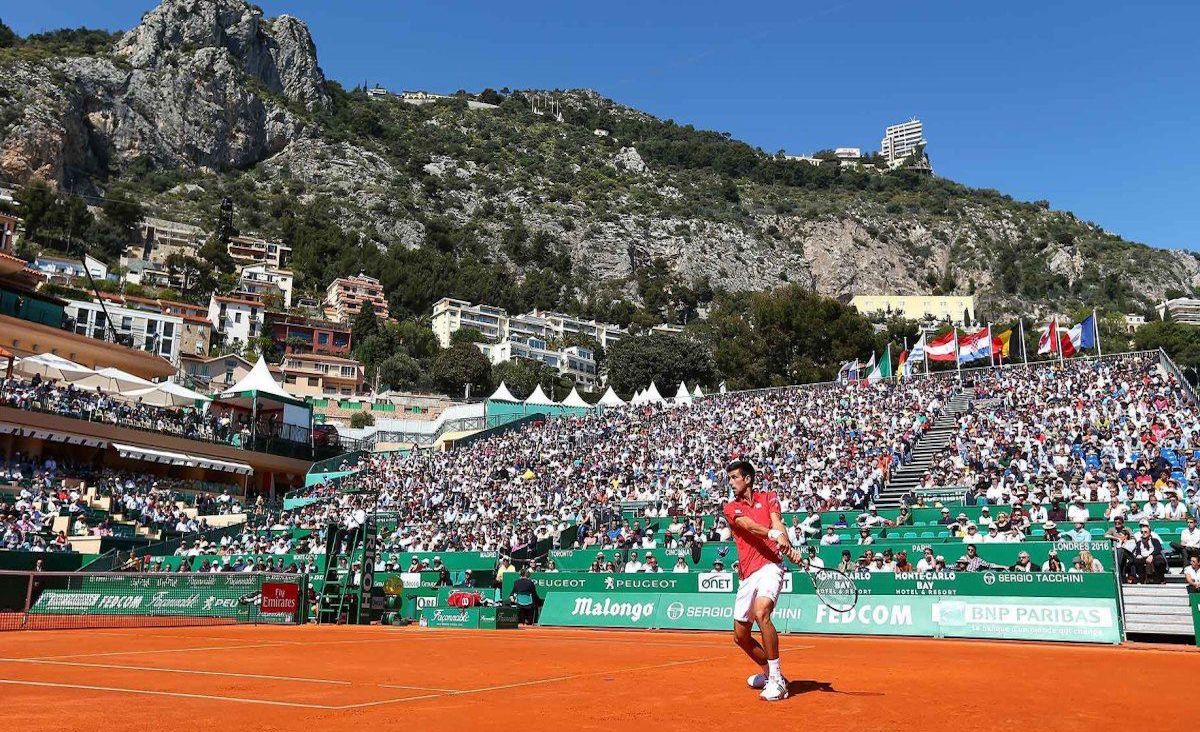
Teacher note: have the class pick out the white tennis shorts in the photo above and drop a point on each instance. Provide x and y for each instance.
(767, 581)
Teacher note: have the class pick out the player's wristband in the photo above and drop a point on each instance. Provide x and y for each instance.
(774, 534)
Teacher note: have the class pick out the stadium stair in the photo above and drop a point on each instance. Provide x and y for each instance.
(927, 448)
(1157, 609)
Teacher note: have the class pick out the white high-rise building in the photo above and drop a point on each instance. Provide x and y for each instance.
(900, 141)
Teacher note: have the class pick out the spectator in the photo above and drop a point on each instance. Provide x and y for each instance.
(1150, 563)
(1189, 540)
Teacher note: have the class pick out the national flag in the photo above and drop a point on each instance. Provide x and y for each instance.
(902, 366)
(1002, 343)
(848, 371)
(885, 365)
(1049, 337)
(941, 348)
(918, 350)
(973, 346)
(1069, 340)
(1088, 335)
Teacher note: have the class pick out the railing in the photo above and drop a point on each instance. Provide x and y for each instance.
(1165, 361)
(269, 444)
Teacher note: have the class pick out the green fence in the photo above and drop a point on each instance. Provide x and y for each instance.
(1015, 605)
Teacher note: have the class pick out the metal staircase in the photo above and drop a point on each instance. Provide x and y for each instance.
(340, 598)
(927, 448)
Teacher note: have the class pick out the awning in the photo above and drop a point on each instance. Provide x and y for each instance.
(150, 455)
(224, 466)
(7, 428)
(136, 452)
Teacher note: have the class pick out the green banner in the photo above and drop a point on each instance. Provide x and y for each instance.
(1045, 618)
(488, 618)
(215, 595)
(1194, 598)
(635, 582)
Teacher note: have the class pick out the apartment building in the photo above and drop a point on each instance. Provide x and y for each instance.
(900, 141)
(252, 250)
(213, 375)
(263, 280)
(575, 361)
(8, 231)
(295, 333)
(450, 315)
(235, 319)
(315, 374)
(145, 329)
(65, 270)
(345, 296)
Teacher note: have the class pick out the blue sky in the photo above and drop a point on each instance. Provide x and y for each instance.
(1090, 105)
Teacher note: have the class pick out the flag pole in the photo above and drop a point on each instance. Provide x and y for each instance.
(991, 346)
(957, 360)
(1058, 342)
(1024, 350)
(1096, 332)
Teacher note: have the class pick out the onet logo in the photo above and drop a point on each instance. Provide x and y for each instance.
(675, 610)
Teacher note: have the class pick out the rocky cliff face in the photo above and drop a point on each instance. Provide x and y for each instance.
(203, 83)
(239, 102)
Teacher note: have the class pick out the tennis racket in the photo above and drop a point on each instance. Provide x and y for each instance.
(835, 589)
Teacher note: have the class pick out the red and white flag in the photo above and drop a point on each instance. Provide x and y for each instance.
(942, 348)
(1058, 340)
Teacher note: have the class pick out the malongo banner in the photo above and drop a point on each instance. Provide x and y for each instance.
(980, 605)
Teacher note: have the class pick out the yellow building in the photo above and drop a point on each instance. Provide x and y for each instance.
(918, 307)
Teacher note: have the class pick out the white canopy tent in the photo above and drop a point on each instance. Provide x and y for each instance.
(112, 380)
(652, 396)
(502, 394)
(54, 367)
(574, 400)
(610, 399)
(638, 397)
(682, 396)
(697, 392)
(168, 394)
(538, 397)
(258, 391)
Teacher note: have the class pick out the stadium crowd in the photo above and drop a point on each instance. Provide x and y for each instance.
(832, 449)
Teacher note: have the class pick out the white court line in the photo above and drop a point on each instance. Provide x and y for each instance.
(536, 682)
(265, 677)
(158, 650)
(181, 694)
(418, 688)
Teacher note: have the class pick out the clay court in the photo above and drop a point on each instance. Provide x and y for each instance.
(354, 678)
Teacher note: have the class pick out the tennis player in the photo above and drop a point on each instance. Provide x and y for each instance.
(759, 535)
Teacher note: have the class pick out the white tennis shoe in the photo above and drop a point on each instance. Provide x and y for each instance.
(774, 691)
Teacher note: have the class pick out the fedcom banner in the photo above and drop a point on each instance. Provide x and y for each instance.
(1079, 619)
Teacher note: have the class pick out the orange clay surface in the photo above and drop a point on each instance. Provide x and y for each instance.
(381, 678)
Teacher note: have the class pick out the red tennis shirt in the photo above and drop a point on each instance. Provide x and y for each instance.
(754, 552)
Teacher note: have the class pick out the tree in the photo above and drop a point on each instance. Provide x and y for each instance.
(399, 371)
(665, 359)
(8, 38)
(123, 213)
(522, 376)
(1180, 341)
(489, 96)
(365, 323)
(459, 366)
(467, 335)
(194, 277)
(216, 254)
(362, 418)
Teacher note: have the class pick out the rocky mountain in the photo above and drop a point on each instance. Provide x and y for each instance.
(206, 99)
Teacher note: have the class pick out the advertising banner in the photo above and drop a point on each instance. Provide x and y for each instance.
(1013, 605)
(213, 595)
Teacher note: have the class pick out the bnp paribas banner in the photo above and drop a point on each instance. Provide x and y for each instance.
(915, 612)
